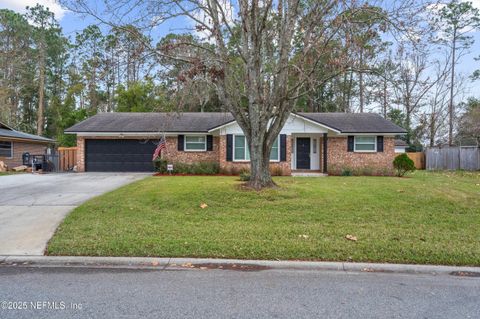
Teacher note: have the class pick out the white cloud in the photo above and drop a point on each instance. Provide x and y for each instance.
(19, 6)
(475, 3)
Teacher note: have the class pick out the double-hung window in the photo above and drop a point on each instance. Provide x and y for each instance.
(195, 143)
(6, 149)
(275, 152)
(365, 144)
(241, 151)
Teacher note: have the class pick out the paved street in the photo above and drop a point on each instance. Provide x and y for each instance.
(32, 206)
(117, 293)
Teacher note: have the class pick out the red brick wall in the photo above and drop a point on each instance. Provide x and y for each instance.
(21, 147)
(337, 156)
(284, 167)
(379, 163)
(170, 153)
(189, 157)
(80, 154)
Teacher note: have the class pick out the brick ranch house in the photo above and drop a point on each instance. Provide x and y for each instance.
(13, 144)
(318, 142)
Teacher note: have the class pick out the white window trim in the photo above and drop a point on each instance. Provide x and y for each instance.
(185, 143)
(11, 151)
(364, 151)
(245, 152)
(278, 152)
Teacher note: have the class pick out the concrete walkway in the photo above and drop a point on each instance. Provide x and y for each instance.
(32, 206)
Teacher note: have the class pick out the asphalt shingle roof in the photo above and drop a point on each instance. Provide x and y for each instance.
(8, 133)
(355, 122)
(151, 122)
(203, 122)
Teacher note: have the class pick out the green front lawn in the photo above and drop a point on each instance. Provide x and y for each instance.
(427, 218)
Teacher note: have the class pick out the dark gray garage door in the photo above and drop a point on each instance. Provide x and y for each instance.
(119, 155)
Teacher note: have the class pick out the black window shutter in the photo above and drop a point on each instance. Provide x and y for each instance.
(283, 147)
(379, 143)
(229, 147)
(351, 141)
(209, 143)
(180, 142)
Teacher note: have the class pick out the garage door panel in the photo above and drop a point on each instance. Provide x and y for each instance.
(119, 155)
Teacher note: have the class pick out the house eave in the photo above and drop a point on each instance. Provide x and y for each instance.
(139, 134)
(26, 140)
(372, 133)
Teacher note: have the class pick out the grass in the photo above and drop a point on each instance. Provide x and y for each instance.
(10, 173)
(429, 218)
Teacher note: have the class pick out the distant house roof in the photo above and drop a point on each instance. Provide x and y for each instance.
(399, 142)
(9, 133)
(204, 122)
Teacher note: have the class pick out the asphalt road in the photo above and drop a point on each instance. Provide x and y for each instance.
(32, 205)
(120, 293)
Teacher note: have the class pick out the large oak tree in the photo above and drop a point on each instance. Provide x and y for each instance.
(262, 57)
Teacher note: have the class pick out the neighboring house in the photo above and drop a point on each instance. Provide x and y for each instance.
(400, 146)
(13, 144)
(323, 142)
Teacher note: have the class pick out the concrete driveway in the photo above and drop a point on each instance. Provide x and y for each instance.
(32, 206)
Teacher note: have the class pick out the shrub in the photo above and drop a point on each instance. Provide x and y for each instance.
(245, 176)
(234, 170)
(276, 171)
(160, 165)
(403, 164)
(200, 168)
(347, 172)
(385, 172)
(366, 171)
(207, 168)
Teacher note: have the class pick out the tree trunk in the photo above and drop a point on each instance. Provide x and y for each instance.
(349, 93)
(385, 106)
(41, 91)
(452, 79)
(432, 130)
(260, 176)
(361, 84)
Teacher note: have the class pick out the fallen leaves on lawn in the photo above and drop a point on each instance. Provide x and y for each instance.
(203, 205)
(351, 237)
(303, 236)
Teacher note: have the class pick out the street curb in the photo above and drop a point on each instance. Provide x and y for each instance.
(227, 264)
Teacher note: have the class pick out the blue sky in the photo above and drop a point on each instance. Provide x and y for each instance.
(71, 23)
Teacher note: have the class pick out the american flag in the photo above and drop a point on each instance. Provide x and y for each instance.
(160, 146)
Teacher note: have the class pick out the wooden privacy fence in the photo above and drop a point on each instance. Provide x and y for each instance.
(453, 158)
(418, 158)
(67, 158)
